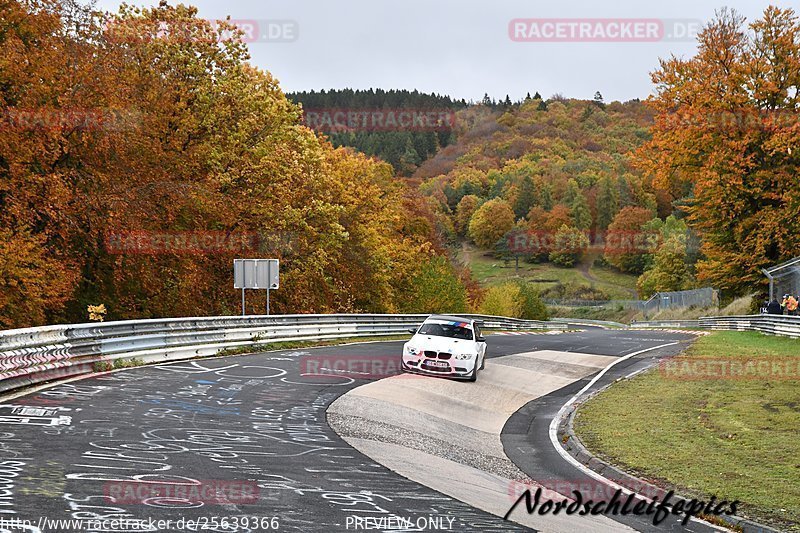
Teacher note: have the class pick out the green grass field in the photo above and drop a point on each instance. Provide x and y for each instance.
(735, 439)
(617, 280)
(491, 271)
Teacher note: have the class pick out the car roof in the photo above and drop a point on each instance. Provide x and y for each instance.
(452, 318)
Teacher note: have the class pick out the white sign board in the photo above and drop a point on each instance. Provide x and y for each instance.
(256, 274)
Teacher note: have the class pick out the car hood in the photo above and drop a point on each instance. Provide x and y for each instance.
(441, 344)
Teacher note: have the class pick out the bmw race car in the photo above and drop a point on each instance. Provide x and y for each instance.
(446, 346)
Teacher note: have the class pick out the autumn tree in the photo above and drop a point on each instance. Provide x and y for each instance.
(490, 222)
(627, 245)
(38, 272)
(435, 288)
(152, 121)
(670, 271)
(464, 211)
(670, 266)
(531, 305)
(502, 300)
(569, 245)
(559, 216)
(726, 126)
(33, 284)
(537, 218)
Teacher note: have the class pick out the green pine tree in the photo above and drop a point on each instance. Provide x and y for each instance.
(546, 197)
(607, 202)
(598, 100)
(572, 191)
(581, 215)
(526, 197)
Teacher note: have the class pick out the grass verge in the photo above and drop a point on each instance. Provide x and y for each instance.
(733, 438)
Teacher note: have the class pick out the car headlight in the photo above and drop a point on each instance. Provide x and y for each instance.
(462, 356)
(410, 350)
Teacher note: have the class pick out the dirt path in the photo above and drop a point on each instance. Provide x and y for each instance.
(466, 254)
(584, 267)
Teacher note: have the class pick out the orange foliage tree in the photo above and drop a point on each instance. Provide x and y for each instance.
(627, 246)
(726, 129)
(152, 121)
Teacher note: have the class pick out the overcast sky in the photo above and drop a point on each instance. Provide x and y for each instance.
(459, 47)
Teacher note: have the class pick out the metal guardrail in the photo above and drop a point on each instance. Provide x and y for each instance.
(588, 322)
(666, 324)
(36, 355)
(786, 326)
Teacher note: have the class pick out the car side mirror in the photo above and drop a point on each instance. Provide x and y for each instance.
(481, 339)
(413, 331)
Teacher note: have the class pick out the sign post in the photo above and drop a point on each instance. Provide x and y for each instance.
(256, 274)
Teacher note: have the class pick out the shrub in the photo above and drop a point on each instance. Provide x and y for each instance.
(127, 363)
(532, 306)
(502, 300)
(436, 288)
(570, 245)
(102, 366)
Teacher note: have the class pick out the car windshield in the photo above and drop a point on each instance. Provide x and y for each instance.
(453, 331)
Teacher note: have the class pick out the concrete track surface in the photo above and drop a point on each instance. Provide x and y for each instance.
(446, 436)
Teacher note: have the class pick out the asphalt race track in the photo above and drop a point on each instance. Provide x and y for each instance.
(99, 450)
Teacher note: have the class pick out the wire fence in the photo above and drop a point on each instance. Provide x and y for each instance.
(784, 279)
(698, 298)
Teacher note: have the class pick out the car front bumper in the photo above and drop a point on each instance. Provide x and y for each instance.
(456, 368)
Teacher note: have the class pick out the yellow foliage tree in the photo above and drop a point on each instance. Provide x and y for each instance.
(490, 222)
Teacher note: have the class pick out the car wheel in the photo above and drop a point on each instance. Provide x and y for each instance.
(483, 361)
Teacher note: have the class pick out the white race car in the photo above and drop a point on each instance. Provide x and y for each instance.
(446, 346)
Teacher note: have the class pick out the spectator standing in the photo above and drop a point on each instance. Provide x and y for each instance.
(774, 308)
(791, 306)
